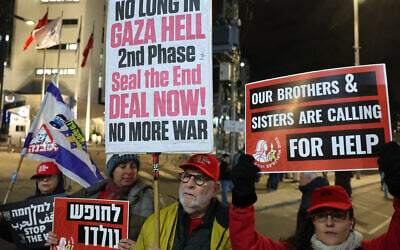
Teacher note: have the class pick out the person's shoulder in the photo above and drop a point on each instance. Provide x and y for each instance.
(173, 207)
(320, 181)
(96, 187)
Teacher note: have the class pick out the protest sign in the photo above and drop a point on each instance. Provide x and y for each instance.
(29, 221)
(159, 76)
(92, 224)
(324, 120)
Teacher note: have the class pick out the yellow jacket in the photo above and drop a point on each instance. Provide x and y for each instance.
(168, 220)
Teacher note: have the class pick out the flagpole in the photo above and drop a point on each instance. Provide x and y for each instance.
(59, 53)
(89, 90)
(156, 199)
(13, 179)
(87, 125)
(77, 69)
(44, 65)
(44, 73)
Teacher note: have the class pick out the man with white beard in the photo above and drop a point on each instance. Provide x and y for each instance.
(198, 220)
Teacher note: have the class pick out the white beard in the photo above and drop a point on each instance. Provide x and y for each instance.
(196, 205)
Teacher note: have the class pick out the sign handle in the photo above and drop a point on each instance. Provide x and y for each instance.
(156, 199)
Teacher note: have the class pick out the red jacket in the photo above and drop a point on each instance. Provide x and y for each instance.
(244, 236)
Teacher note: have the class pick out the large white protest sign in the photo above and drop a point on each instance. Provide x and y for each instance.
(159, 76)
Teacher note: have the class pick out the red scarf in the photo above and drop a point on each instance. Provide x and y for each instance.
(113, 191)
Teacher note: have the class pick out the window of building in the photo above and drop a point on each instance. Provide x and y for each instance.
(51, 71)
(66, 46)
(67, 21)
(19, 128)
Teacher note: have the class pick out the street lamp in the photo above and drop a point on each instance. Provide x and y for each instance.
(356, 35)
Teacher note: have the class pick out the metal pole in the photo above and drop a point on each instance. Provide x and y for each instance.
(88, 100)
(78, 80)
(44, 73)
(59, 54)
(356, 48)
(356, 35)
(233, 104)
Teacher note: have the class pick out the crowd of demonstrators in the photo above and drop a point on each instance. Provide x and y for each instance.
(225, 178)
(330, 214)
(123, 184)
(198, 220)
(49, 181)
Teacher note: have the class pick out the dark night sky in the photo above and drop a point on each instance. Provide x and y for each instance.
(282, 37)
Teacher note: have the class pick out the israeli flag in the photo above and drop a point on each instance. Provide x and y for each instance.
(55, 136)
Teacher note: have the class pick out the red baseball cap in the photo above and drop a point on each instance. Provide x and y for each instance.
(206, 163)
(46, 168)
(330, 196)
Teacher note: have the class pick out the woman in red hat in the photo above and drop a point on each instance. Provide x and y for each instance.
(49, 180)
(331, 220)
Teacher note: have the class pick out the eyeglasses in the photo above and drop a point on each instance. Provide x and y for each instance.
(200, 180)
(336, 216)
(42, 177)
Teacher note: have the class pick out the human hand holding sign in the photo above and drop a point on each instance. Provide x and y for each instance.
(126, 244)
(51, 239)
(244, 176)
(389, 163)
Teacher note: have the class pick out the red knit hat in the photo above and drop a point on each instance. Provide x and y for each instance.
(330, 196)
(46, 168)
(206, 163)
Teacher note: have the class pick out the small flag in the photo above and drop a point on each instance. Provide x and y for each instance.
(55, 136)
(88, 47)
(41, 23)
(48, 35)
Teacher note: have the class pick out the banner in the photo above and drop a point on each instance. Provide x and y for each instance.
(324, 120)
(92, 223)
(55, 136)
(29, 221)
(159, 95)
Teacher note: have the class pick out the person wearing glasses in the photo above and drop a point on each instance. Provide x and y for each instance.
(331, 216)
(198, 220)
(49, 181)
